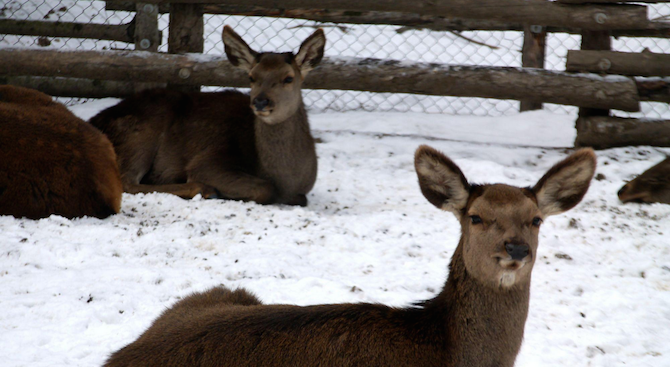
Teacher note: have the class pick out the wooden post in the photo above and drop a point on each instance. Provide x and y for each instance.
(532, 56)
(591, 40)
(186, 35)
(147, 37)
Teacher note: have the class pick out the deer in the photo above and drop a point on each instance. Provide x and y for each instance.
(52, 162)
(477, 319)
(230, 145)
(652, 186)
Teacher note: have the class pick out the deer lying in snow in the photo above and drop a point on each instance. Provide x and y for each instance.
(52, 162)
(228, 144)
(476, 320)
(652, 186)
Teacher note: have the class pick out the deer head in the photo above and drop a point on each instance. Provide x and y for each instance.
(500, 223)
(652, 186)
(276, 78)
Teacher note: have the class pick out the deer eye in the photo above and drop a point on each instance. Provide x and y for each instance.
(251, 79)
(537, 221)
(288, 79)
(476, 219)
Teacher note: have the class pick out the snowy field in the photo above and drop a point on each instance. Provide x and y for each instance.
(73, 291)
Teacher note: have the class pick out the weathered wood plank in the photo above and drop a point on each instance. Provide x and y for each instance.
(532, 56)
(185, 34)
(406, 20)
(146, 35)
(336, 73)
(653, 89)
(602, 132)
(121, 32)
(611, 1)
(78, 88)
(594, 40)
(622, 63)
(541, 12)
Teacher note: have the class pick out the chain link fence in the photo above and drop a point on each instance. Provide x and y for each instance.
(352, 40)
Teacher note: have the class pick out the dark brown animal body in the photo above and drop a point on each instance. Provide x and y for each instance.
(476, 320)
(52, 162)
(231, 145)
(652, 186)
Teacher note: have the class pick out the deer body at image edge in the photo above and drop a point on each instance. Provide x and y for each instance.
(651, 186)
(476, 320)
(52, 162)
(255, 147)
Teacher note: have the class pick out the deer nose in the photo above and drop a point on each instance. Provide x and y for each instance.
(260, 103)
(622, 191)
(516, 251)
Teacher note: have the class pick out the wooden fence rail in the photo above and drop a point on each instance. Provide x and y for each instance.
(540, 12)
(369, 75)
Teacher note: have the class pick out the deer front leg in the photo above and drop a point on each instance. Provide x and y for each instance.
(185, 191)
(237, 185)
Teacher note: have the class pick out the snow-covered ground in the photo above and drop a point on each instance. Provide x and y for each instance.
(73, 291)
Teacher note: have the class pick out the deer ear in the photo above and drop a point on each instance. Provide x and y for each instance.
(311, 52)
(238, 52)
(441, 181)
(566, 183)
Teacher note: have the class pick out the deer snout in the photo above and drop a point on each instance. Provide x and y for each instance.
(517, 251)
(261, 102)
(622, 192)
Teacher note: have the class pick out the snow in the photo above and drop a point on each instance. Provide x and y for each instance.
(73, 291)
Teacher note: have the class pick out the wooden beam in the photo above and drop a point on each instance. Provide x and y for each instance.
(78, 88)
(185, 35)
(146, 35)
(602, 132)
(121, 32)
(406, 20)
(621, 63)
(611, 1)
(371, 75)
(532, 56)
(594, 40)
(541, 12)
(653, 89)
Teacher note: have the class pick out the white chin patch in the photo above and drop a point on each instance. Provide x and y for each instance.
(507, 279)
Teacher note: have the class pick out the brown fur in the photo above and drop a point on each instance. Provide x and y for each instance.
(224, 144)
(652, 186)
(52, 162)
(474, 321)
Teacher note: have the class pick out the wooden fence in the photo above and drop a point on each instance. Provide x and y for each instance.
(584, 84)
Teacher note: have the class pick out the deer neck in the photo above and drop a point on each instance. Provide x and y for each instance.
(286, 152)
(484, 325)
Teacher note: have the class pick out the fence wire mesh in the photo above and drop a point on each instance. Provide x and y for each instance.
(353, 40)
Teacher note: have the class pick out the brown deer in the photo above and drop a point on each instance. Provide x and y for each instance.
(652, 186)
(476, 320)
(52, 162)
(228, 144)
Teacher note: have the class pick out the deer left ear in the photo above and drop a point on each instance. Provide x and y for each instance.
(441, 181)
(566, 183)
(311, 52)
(239, 53)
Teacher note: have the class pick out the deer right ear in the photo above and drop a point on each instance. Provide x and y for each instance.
(238, 52)
(566, 183)
(311, 52)
(440, 179)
